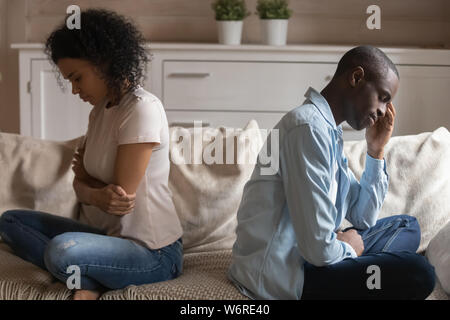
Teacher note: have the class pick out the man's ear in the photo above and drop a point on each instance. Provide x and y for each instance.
(356, 76)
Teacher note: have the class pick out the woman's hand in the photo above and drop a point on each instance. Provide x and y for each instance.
(378, 135)
(113, 200)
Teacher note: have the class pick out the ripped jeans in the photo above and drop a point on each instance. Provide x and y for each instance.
(56, 243)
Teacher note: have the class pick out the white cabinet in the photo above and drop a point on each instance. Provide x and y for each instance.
(56, 114)
(423, 99)
(230, 85)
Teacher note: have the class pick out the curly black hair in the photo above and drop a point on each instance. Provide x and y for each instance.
(110, 42)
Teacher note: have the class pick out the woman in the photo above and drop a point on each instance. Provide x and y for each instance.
(129, 232)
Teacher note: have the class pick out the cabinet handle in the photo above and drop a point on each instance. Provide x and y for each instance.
(187, 124)
(189, 75)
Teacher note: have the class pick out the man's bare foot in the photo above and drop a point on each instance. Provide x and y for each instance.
(86, 295)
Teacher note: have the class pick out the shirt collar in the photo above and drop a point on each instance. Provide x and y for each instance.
(324, 108)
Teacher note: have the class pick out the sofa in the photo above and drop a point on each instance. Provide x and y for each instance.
(36, 174)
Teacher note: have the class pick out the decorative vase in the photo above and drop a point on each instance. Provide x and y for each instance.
(274, 31)
(230, 32)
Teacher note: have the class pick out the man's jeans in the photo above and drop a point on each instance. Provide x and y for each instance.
(389, 267)
(54, 243)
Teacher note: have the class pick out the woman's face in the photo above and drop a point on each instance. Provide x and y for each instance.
(85, 79)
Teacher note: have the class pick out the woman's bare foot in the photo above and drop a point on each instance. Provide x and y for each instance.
(86, 295)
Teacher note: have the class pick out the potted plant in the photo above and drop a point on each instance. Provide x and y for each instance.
(229, 16)
(274, 15)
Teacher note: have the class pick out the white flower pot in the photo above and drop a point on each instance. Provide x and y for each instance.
(230, 32)
(274, 31)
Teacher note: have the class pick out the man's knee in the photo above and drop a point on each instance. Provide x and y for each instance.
(16, 215)
(410, 230)
(6, 219)
(420, 275)
(409, 221)
(9, 216)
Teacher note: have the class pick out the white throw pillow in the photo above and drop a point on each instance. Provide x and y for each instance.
(419, 178)
(438, 253)
(207, 195)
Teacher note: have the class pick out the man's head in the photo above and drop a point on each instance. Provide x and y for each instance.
(368, 80)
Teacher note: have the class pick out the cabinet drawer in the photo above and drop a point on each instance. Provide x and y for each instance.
(240, 85)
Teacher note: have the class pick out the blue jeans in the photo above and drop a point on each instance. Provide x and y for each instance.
(390, 245)
(54, 243)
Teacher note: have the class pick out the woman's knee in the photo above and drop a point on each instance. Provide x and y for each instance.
(60, 252)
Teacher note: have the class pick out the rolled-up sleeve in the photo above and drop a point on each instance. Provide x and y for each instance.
(367, 195)
(141, 123)
(306, 173)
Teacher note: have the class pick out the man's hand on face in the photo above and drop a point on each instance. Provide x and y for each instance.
(378, 135)
(353, 238)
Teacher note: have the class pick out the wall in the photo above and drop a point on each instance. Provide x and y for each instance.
(3, 52)
(12, 15)
(404, 23)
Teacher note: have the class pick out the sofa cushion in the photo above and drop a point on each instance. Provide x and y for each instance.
(36, 174)
(206, 193)
(204, 277)
(419, 178)
(22, 280)
(438, 253)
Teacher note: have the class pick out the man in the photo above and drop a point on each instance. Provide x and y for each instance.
(288, 244)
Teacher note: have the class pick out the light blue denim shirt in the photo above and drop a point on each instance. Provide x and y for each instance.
(290, 217)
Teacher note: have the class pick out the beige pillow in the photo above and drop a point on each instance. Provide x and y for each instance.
(207, 196)
(419, 178)
(36, 174)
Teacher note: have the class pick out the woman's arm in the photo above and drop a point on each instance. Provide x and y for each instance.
(84, 192)
(131, 162)
(90, 191)
(111, 199)
(81, 173)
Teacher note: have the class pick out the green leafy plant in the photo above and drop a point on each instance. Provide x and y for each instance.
(273, 9)
(230, 10)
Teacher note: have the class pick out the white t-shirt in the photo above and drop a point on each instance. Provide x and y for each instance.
(139, 117)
